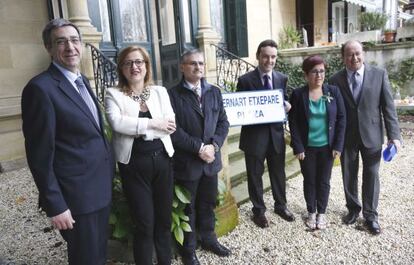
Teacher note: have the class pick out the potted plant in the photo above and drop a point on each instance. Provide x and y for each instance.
(389, 35)
(373, 21)
(289, 37)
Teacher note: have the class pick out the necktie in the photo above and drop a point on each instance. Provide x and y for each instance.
(266, 82)
(356, 86)
(197, 91)
(83, 91)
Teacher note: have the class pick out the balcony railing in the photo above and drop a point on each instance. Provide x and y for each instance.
(229, 68)
(104, 72)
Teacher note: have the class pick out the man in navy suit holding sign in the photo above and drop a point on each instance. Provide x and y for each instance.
(265, 141)
(66, 149)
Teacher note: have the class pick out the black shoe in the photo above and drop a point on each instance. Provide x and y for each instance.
(373, 227)
(285, 214)
(350, 218)
(260, 220)
(190, 259)
(216, 248)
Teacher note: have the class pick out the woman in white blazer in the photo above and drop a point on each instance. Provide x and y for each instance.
(142, 120)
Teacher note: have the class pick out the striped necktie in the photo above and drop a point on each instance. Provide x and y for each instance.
(197, 91)
(87, 98)
(356, 86)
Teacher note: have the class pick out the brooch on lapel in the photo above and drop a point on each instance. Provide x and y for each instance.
(327, 97)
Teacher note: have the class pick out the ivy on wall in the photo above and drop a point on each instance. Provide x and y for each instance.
(400, 74)
(295, 73)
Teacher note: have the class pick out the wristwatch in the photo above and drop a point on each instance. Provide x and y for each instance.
(216, 147)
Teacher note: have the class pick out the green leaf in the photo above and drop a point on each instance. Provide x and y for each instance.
(182, 194)
(174, 203)
(176, 218)
(185, 226)
(179, 235)
(221, 186)
(173, 226)
(184, 217)
(120, 231)
(112, 219)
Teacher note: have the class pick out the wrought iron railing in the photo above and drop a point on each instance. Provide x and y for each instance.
(104, 72)
(229, 68)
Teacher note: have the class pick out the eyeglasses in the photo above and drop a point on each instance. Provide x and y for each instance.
(63, 41)
(137, 62)
(195, 63)
(316, 72)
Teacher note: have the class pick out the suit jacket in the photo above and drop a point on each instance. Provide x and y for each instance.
(299, 118)
(255, 139)
(195, 126)
(122, 113)
(365, 119)
(67, 153)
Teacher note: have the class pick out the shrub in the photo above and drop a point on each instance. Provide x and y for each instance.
(373, 20)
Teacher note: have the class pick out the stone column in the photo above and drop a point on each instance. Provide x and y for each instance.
(205, 37)
(78, 14)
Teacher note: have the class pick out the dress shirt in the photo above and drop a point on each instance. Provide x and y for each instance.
(359, 77)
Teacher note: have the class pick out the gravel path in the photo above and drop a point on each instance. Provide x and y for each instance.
(26, 237)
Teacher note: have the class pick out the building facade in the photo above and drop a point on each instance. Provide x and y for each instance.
(164, 27)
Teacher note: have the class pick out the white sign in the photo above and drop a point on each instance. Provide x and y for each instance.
(254, 107)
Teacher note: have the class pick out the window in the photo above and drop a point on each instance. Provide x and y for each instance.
(133, 23)
(167, 22)
(105, 26)
(236, 27)
(217, 18)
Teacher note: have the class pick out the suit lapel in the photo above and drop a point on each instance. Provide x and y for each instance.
(346, 92)
(187, 95)
(66, 87)
(364, 86)
(305, 100)
(326, 91)
(257, 80)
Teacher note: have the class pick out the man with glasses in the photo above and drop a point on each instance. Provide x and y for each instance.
(66, 149)
(265, 141)
(202, 127)
(368, 102)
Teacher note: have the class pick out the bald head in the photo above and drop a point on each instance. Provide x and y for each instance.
(353, 55)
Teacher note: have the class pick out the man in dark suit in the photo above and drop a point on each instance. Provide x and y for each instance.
(368, 102)
(265, 141)
(202, 127)
(66, 149)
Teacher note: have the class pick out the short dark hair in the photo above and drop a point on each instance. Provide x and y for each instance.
(346, 44)
(189, 52)
(54, 24)
(265, 43)
(311, 61)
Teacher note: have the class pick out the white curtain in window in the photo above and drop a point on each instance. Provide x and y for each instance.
(133, 19)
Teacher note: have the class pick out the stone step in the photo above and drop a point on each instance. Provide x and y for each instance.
(240, 191)
(237, 170)
(233, 135)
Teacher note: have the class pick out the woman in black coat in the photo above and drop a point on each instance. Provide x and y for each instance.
(317, 126)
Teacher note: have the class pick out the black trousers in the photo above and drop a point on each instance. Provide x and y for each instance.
(255, 169)
(87, 241)
(148, 186)
(200, 211)
(316, 170)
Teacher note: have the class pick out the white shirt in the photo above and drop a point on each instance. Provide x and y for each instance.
(70, 76)
(359, 76)
(269, 75)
